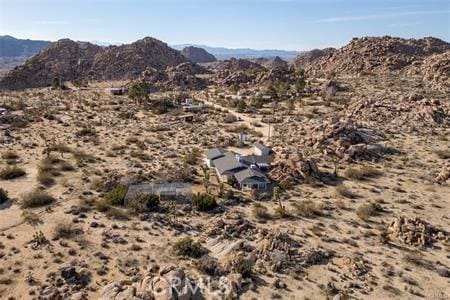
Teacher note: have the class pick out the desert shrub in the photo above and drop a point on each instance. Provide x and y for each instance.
(281, 212)
(243, 267)
(192, 156)
(308, 209)
(204, 202)
(116, 195)
(363, 172)
(368, 210)
(187, 247)
(10, 156)
(344, 191)
(260, 212)
(9, 173)
(117, 214)
(230, 118)
(444, 154)
(3, 196)
(66, 231)
(31, 217)
(36, 198)
(143, 202)
(45, 178)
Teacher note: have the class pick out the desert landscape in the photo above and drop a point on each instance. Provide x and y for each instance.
(139, 171)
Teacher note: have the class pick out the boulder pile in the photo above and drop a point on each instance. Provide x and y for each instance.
(346, 140)
(414, 232)
(170, 283)
(230, 225)
(410, 110)
(294, 168)
(444, 175)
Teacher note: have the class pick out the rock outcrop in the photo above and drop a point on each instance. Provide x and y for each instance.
(198, 55)
(414, 232)
(378, 54)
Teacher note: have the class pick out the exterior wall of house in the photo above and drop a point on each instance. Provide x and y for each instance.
(260, 153)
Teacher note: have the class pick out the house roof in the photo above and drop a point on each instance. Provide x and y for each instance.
(255, 159)
(251, 174)
(227, 163)
(215, 153)
(261, 146)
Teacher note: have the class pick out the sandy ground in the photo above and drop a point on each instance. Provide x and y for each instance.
(153, 147)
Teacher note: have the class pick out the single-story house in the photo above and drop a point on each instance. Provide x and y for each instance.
(250, 178)
(212, 155)
(261, 149)
(262, 162)
(227, 166)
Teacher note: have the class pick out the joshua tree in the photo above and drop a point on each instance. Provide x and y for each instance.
(138, 92)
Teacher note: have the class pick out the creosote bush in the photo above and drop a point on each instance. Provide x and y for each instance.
(9, 173)
(116, 196)
(187, 247)
(66, 231)
(36, 198)
(143, 202)
(261, 212)
(204, 202)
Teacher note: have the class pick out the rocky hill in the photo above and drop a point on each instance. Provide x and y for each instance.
(198, 55)
(69, 60)
(270, 63)
(64, 59)
(305, 60)
(379, 54)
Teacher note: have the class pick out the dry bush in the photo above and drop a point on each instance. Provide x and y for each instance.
(66, 231)
(308, 209)
(444, 154)
(187, 247)
(365, 211)
(261, 212)
(9, 173)
(36, 198)
(343, 191)
(362, 172)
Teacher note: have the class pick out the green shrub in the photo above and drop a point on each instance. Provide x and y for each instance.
(36, 198)
(143, 202)
(11, 173)
(3, 196)
(244, 267)
(204, 202)
(187, 247)
(116, 195)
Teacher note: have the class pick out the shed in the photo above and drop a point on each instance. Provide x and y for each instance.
(176, 191)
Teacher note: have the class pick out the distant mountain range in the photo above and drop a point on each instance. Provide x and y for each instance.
(226, 53)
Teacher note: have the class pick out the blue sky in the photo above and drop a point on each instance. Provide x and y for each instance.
(260, 24)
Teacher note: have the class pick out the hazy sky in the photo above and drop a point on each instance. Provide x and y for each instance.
(283, 24)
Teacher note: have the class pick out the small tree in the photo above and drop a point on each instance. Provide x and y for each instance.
(56, 84)
(138, 92)
(241, 106)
